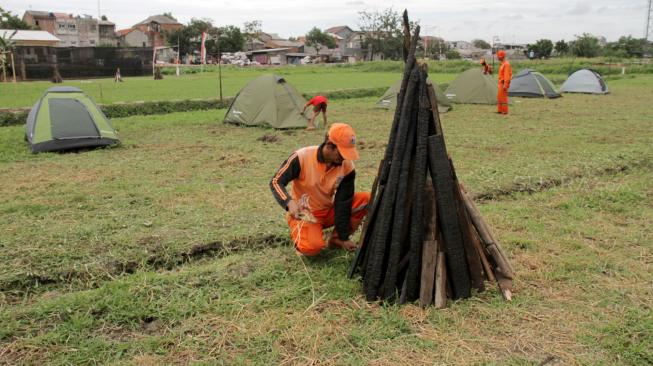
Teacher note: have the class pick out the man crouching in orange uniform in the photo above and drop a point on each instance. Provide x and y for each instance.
(322, 192)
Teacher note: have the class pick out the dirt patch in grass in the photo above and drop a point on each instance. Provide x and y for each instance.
(532, 186)
(159, 259)
(269, 138)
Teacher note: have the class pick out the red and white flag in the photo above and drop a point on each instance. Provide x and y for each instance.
(203, 49)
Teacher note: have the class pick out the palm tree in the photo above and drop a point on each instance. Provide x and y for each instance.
(6, 46)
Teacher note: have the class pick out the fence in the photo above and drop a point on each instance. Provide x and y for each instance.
(38, 62)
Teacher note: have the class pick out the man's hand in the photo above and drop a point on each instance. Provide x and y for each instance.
(293, 209)
(347, 245)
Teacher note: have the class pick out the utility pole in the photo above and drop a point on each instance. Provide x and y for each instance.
(649, 26)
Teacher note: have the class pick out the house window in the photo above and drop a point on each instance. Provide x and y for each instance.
(62, 26)
(72, 26)
(92, 41)
(37, 22)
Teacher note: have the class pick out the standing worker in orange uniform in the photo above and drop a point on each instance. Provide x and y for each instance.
(319, 104)
(323, 193)
(505, 75)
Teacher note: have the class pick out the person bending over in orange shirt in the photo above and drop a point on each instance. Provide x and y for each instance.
(319, 104)
(323, 192)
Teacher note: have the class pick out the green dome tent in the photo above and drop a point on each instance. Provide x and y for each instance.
(267, 101)
(531, 84)
(473, 87)
(389, 98)
(66, 118)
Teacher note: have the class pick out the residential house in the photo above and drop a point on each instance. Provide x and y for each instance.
(155, 28)
(44, 20)
(72, 31)
(348, 43)
(273, 56)
(30, 47)
(132, 37)
(274, 41)
(107, 33)
(513, 50)
(467, 50)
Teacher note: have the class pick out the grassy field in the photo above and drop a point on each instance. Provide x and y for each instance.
(202, 85)
(170, 248)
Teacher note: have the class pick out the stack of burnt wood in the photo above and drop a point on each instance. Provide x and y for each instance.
(424, 239)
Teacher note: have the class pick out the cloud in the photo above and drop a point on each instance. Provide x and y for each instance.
(513, 17)
(581, 8)
(355, 3)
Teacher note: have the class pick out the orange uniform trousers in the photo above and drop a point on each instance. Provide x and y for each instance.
(308, 236)
(502, 100)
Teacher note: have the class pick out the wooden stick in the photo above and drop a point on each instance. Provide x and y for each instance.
(505, 285)
(429, 249)
(441, 282)
(476, 268)
(486, 237)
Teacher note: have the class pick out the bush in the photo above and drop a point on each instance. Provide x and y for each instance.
(120, 110)
(12, 119)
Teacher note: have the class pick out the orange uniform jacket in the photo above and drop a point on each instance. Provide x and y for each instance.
(505, 75)
(317, 187)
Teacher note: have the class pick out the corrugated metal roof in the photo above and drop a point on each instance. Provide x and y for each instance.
(161, 19)
(28, 35)
(269, 50)
(38, 13)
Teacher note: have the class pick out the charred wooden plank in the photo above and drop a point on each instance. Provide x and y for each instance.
(443, 182)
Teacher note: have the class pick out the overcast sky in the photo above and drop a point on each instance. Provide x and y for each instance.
(510, 20)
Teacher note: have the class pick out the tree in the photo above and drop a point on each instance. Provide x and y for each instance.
(10, 21)
(452, 54)
(169, 15)
(6, 47)
(104, 17)
(383, 32)
(479, 43)
(541, 48)
(627, 47)
(318, 39)
(561, 47)
(189, 37)
(231, 39)
(586, 45)
(436, 47)
(252, 31)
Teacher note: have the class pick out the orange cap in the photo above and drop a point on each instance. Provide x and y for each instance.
(501, 54)
(344, 137)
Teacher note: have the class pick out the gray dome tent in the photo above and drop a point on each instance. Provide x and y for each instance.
(389, 98)
(270, 101)
(66, 118)
(531, 84)
(585, 81)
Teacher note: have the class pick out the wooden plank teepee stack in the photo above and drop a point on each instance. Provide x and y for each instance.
(424, 238)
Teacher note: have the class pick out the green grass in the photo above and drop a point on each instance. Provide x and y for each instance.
(206, 85)
(95, 245)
